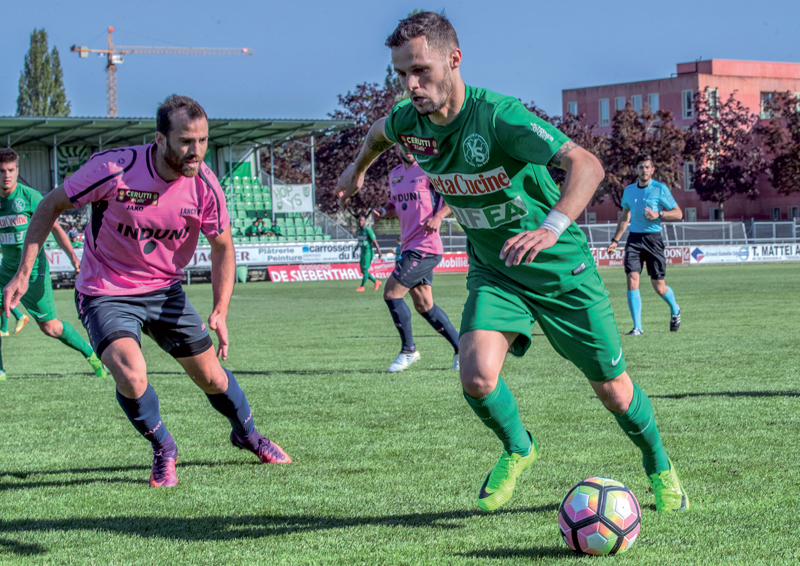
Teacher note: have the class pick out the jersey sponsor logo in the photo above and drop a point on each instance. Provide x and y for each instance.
(405, 197)
(142, 233)
(137, 197)
(491, 216)
(425, 146)
(476, 150)
(18, 205)
(12, 238)
(396, 180)
(463, 184)
(541, 132)
(11, 221)
(190, 211)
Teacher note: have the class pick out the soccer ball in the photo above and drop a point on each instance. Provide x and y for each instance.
(599, 516)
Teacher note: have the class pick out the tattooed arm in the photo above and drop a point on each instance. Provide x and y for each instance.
(352, 178)
(584, 173)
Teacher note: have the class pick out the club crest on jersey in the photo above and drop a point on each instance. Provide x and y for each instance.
(18, 205)
(425, 146)
(137, 197)
(476, 150)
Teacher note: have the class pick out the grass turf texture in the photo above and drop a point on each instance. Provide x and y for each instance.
(387, 467)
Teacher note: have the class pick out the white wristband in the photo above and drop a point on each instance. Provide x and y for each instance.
(556, 222)
(382, 210)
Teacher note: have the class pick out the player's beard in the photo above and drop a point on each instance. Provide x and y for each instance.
(431, 106)
(179, 164)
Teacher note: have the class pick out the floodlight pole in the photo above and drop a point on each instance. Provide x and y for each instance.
(55, 161)
(272, 181)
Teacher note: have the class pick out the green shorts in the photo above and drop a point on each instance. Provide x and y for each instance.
(39, 300)
(579, 324)
(366, 260)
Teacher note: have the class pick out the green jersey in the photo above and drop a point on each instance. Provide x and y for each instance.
(490, 166)
(15, 216)
(365, 236)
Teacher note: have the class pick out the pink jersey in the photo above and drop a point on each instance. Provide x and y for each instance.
(415, 203)
(143, 230)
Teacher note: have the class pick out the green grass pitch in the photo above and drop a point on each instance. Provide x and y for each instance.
(387, 467)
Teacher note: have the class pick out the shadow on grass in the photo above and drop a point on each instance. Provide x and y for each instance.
(542, 552)
(113, 469)
(729, 394)
(33, 485)
(21, 548)
(219, 528)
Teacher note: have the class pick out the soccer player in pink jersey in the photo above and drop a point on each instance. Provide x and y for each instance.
(420, 211)
(149, 205)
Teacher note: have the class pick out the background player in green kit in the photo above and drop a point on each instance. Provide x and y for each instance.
(487, 156)
(366, 238)
(17, 203)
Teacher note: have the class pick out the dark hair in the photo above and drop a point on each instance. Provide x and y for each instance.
(8, 155)
(173, 103)
(436, 28)
(642, 158)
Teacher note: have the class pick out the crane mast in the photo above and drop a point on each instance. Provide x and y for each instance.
(115, 55)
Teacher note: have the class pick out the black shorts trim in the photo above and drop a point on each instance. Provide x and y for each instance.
(113, 337)
(192, 349)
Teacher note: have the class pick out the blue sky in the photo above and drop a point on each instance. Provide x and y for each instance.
(307, 52)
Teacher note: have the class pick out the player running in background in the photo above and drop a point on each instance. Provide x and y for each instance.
(149, 205)
(645, 204)
(366, 238)
(528, 260)
(22, 320)
(17, 204)
(420, 211)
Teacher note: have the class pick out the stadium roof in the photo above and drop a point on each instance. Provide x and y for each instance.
(21, 130)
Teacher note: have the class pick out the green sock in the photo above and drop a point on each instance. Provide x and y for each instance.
(1, 356)
(498, 411)
(71, 338)
(3, 322)
(364, 277)
(639, 422)
(16, 313)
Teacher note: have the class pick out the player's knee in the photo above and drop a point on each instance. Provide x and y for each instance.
(51, 328)
(477, 381)
(423, 306)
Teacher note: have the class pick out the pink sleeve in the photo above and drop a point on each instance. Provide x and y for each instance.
(97, 179)
(215, 219)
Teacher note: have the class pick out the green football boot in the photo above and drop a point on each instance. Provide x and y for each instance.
(669, 493)
(97, 365)
(498, 487)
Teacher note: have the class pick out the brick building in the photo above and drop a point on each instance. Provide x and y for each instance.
(753, 82)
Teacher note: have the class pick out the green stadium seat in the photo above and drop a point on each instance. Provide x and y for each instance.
(318, 230)
(326, 237)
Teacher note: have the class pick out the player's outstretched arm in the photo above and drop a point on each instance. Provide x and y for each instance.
(584, 173)
(622, 225)
(223, 271)
(63, 242)
(388, 211)
(41, 224)
(352, 178)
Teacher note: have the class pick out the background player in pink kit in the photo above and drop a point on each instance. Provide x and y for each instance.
(420, 211)
(149, 205)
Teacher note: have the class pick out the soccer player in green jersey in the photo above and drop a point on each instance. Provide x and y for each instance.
(366, 239)
(17, 203)
(487, 155)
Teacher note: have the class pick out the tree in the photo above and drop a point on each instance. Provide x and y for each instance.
(722, 141)
(41, 86)
(368, 103)
(782, 136)
(634, 134)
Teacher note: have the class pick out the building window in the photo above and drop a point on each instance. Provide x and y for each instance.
(652, 102)
(687, 96)
(572, 108)
(776, 213)
(691, 214)
(604, 112)
(793, 212)
(619, 103)
(766, 112)
(712, 97)
(714, 214)
(636, 102)
(591, 218)
(688, 174)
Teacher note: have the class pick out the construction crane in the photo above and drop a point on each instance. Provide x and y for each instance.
(115, 55)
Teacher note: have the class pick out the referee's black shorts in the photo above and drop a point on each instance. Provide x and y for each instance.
(647, 248)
